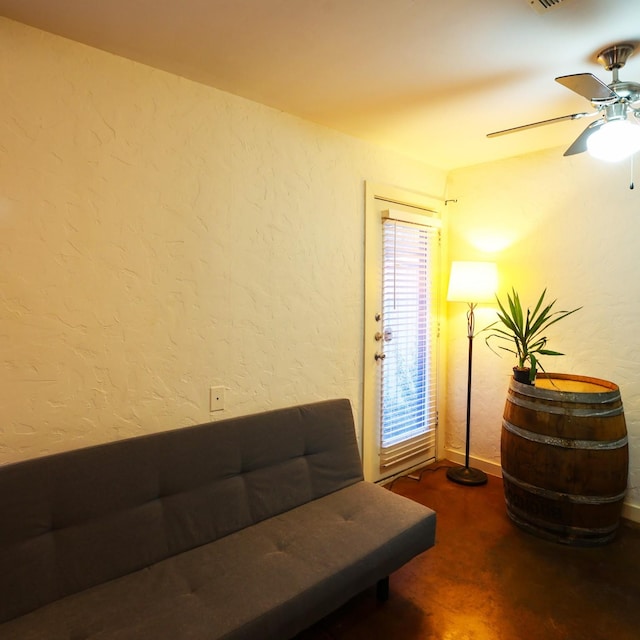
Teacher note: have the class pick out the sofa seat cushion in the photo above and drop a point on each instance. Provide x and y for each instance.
(270, 580)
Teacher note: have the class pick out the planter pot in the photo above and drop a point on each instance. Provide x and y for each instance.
(522, 375)
(565, 458)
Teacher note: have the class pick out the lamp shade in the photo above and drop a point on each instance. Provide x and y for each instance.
(473, 282)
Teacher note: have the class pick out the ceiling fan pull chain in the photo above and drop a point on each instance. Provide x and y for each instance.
(631, 185)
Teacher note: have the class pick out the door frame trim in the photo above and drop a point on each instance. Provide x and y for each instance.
(373, 246)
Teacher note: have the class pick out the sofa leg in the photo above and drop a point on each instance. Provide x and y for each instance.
(382, 589)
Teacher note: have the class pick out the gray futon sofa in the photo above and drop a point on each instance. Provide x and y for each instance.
(252, 527)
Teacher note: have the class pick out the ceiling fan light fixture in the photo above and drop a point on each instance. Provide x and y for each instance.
(614, 140)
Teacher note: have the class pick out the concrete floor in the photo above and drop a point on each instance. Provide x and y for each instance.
(488, 580)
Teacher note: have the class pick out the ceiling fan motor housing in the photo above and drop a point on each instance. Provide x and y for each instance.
(616, 111)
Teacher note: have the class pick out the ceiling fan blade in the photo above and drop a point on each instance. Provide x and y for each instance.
(572, 116)
(580, 143)
(588, 86)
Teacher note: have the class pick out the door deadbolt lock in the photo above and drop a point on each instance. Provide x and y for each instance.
(380, 356)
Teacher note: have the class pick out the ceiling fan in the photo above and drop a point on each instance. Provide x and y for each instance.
(617, 104)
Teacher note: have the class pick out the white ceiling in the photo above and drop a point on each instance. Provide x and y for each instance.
(427, 78)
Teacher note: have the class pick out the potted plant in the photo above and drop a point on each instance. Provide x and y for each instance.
(522, 334)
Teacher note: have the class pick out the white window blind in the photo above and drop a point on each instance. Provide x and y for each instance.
(409, 316)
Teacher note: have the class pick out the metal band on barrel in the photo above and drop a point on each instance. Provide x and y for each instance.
(567, 443)
(611, 395)
(558, 495)
(584, 413)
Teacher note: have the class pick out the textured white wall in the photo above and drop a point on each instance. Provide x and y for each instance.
(158, 237)
(569, 224)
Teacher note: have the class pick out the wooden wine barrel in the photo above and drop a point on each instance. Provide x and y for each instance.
(565, 457)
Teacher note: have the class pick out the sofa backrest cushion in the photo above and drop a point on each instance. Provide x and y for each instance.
(76, 519)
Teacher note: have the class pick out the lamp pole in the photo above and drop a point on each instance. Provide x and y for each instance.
(468, 475)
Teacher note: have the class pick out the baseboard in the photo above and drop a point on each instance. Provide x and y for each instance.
(629, 511)
(492, 468)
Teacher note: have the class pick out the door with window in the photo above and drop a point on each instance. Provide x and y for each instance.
(402, 255)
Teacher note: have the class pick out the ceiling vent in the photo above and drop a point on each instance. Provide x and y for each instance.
(544, 5)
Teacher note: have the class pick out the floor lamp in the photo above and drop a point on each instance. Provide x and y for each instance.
(471, 282)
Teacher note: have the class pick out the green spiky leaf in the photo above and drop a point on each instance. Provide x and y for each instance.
(521, 333)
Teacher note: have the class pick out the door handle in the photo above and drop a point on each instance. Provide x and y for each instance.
(380, 356)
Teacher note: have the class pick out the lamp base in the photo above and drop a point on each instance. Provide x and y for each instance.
(467, 475)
